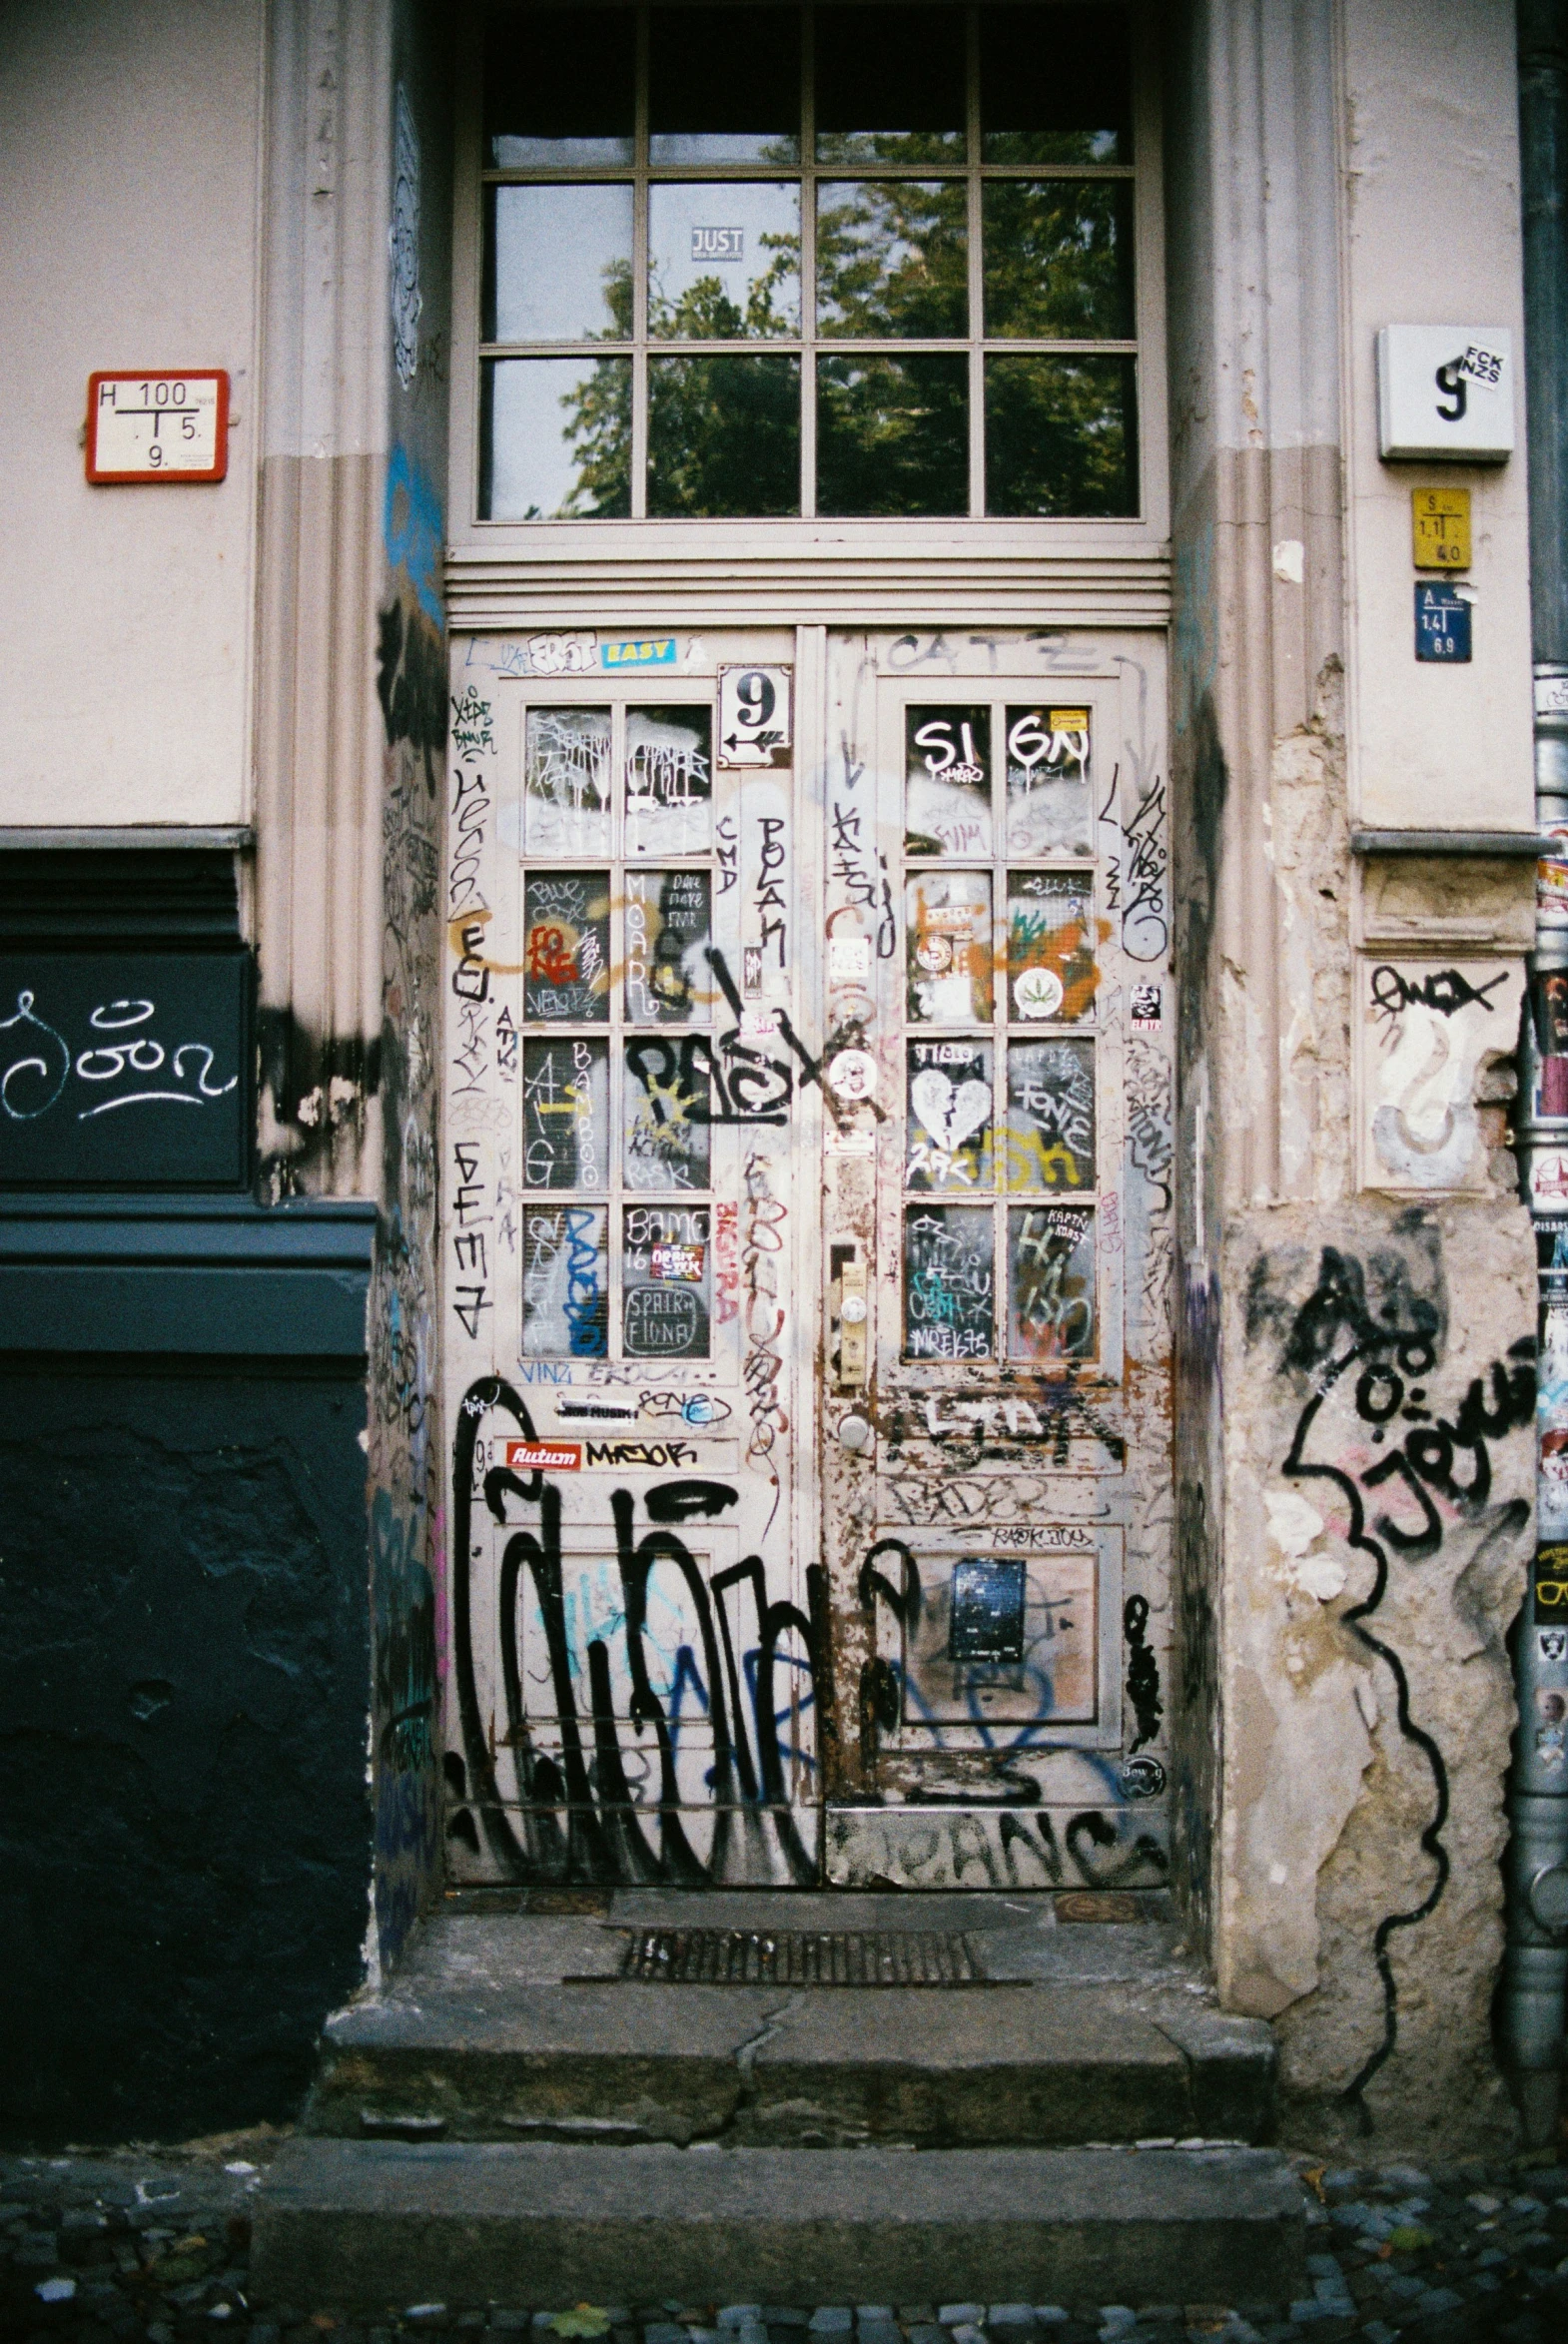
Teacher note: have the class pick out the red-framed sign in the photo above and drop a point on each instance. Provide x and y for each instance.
(157, 424)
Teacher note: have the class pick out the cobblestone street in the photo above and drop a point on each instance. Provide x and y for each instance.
(130, 2245)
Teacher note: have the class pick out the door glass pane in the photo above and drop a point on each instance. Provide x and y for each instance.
(665, 1127)
(723, 437)
(558, 263)
(723, 261)
(947, 781)
(892, 435)
(1050, 1114)
(1050, 947)
(567, 945)
(1062, 436)
(1049, 806)
(566, 782)
(1056, 85)
(669, 925)
(566, 1113)
(891, 257)
(1059, 257)
(949, 1284)
(722, 90)
(543, 103)
(556, 439)
(890, 86)
(948, 1135)
(565, 1282)
(669, 781)
(948, 947)
(666, 1281)
(1050, 1284)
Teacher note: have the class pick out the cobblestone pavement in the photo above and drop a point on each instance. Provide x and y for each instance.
(121, 2248)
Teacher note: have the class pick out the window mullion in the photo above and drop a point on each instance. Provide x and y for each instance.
(808, 265)
(977, 281)
(639, 280)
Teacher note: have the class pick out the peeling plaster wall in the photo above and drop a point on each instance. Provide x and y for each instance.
(1345, 1586)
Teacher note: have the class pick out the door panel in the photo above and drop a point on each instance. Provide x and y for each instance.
(632, 1682)
(995, 1177)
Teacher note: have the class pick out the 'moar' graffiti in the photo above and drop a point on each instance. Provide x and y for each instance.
(574, 1818)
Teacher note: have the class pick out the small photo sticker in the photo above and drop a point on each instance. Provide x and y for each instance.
(1148, 1003)
(1552, 1643)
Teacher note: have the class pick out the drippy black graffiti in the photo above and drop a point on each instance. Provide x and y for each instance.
(578, 1821)
(1443, 990)
(410, 682)
(1143, 1671)
(1337, 1332)
(749, 1085)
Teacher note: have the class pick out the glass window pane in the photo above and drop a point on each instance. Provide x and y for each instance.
(1060, 437)
(891, 257)
(665, 1127)
(559, 86)
(1050, 1284)
(947, 781)
(670, 927)
(947, 916)
(666, 1281)
(1056, 85)
(669, 781)
(723, 437)
(566, 783)
(1050, 811)
(558, 263)
(722, 89)
(555, 439)
(949, 1284)
(890, 86)
(566, 1113)
(1052, 975)
(567, 938)
(723, 261)
(948, 1137)
(1050, 1114)
(892, 435)
(1059, 257)
(565, 1282)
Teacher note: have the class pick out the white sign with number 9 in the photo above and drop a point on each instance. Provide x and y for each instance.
(754, 716)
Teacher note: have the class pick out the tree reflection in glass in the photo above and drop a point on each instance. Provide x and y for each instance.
(891, 257)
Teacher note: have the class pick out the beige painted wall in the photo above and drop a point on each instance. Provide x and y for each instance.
(1432, 176)
(128, 168)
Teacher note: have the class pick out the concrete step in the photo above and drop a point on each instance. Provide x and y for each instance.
(518, 2029)
(361, 2227)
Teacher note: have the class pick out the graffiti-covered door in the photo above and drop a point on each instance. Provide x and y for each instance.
(807, 1251)
(630, 1102)
(997, 1018)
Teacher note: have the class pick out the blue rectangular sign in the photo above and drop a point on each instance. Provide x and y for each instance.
(1442, 623)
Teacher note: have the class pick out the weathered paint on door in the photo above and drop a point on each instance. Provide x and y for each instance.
(998, 933)
(791, 1067)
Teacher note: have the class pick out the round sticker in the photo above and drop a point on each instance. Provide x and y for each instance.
(1037, 993)
(853, 1075)
(934, 954)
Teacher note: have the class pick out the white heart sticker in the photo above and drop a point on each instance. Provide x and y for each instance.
(950, 1112)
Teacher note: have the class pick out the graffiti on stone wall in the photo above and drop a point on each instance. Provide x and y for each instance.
(411, 688)
(1403, 1469)
(1428, 1029)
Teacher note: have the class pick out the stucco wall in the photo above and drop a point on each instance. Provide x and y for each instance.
(128, 188)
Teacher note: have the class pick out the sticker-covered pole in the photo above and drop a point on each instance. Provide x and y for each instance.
(1536, 1963)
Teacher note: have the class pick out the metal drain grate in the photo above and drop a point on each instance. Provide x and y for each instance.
(800, 1957)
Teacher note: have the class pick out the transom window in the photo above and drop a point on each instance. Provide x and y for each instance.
(833, 260)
